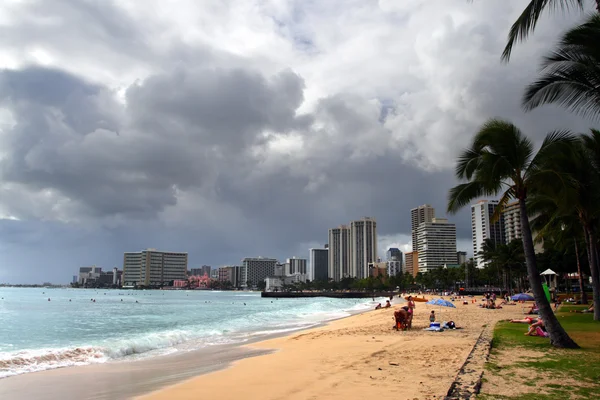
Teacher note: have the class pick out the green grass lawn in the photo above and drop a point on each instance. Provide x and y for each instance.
(545, 372)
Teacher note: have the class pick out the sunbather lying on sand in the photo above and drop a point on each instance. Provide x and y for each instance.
(526, 320)
(537, 329)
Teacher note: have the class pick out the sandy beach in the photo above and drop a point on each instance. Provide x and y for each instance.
(356, 357)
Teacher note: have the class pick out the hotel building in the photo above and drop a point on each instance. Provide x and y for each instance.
(482, 228)
(418, 215)
(319, 264)
(339, 253)
(436, 242)
(296, 266)
(512, 222)
(153, 268)
(255, 270)
(363, 246)
(411, 263)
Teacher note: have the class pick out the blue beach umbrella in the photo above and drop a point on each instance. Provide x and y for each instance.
(522, 297)
(441, 303)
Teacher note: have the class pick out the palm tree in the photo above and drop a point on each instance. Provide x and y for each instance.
(527, 21)
(502, 160)
(562, 230)
(570, 75)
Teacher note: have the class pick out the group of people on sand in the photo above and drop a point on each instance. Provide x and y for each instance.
(387, 305)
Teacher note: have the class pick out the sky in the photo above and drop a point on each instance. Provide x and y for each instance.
(232, 129)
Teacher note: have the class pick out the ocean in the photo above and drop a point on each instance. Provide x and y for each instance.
(71, 329)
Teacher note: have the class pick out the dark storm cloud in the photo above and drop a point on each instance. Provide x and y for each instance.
(69, 136)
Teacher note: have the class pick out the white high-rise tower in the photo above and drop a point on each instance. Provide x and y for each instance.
(483, 228)
(363, 246)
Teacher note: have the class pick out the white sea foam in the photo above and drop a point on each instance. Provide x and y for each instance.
(67, 333)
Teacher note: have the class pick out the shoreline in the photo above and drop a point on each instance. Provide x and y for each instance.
(128, 378)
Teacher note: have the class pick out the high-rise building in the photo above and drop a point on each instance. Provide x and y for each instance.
(461, 257)
(394, 267)
(393, 254)
(153, 268)
(437, 244)
(418, 215)
(411, 262)
(483, 228)
(363, 246)
(296, 266)
(319, 264)
(512, 221)
(339, 253)
(512, 226)
(255, 270)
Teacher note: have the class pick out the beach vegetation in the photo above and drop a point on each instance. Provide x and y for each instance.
(525, 367)
(501, 161)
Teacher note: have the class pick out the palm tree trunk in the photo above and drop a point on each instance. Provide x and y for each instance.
(584, 299)
(595, 277)
(558, 336)
(593, 258)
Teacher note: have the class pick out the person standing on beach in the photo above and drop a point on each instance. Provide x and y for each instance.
(411, 310)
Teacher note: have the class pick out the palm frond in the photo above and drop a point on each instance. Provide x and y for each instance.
(467, 163)
(463, 194)
(527, 21)
(556, 146)
(570, 75)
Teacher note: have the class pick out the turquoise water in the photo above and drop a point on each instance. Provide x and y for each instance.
(71, 329)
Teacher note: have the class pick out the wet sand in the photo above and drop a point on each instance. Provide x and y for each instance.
(123, 379)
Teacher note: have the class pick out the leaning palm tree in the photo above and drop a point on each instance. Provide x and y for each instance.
(579, 197)
(570, 75)
(501, 160)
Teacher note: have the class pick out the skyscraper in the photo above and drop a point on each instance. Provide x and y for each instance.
(296, 266)
(437, 244)
(424, 213)
(483, 228)
(319, 264)
(363, 246)
(512, 221)
(393, 254)
(339, 253)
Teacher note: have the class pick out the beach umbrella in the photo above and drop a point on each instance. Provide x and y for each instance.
(441, 303)
(522, 297)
